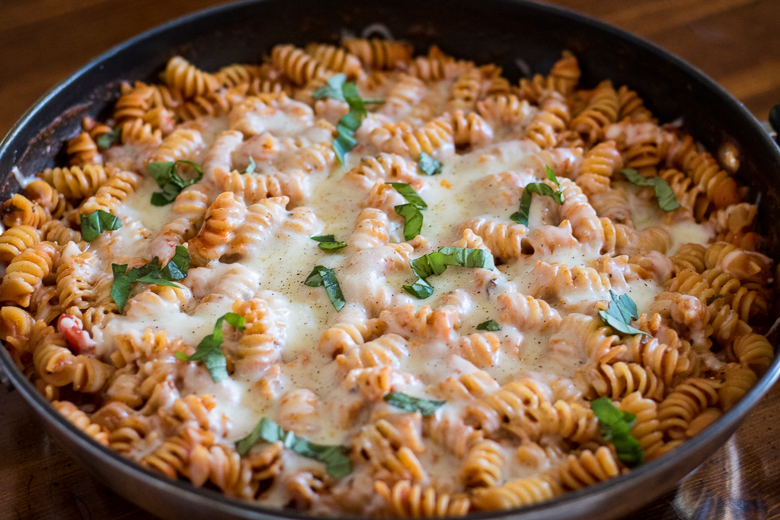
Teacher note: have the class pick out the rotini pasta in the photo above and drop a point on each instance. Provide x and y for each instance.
(434, 377)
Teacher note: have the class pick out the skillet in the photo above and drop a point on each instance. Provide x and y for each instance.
(497, 31)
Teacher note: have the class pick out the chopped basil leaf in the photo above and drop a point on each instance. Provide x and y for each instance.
(619, 314)
(165, 175)
(491, 325)
(120, 287)
(551, 177)
(344, 142)
(162, 199)
(615, 427)
(266, 430)
(521, 215)
(436, 263)
(336, 461)
(356, 105)
(350, 122)
(420, 289)
(250, 167)
(328, 243)
(209, 349)
(430, 264)
(608, 415)
(337, 88)
(157, 279)
(337, 464)
(637, 179)
(161, 171)
(413, 219)
(106, 140)
(178, 266)
(332, 246)
(324, 277)
(123, 280)
(333, 89)
(664, 196)
(465, 257)
(429, 165)
(324, 238)
(413, 404)
(713, 298)
(94, 224)
(409, 194)
(153, 272)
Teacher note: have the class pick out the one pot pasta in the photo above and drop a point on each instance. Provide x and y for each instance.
(349, 280)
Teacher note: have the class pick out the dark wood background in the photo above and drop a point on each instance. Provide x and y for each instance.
(736, 42)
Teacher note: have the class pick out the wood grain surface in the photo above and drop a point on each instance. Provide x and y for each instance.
(736, 42)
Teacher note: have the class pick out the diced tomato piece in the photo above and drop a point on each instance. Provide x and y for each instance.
(72, 329)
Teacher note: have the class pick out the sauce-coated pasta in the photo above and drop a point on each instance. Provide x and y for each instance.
(224, 178)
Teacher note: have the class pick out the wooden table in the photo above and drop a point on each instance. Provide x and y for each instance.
(737, 42)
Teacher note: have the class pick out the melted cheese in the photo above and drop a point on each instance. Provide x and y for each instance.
(468, 187)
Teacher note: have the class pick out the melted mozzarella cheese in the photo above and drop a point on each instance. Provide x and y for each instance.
(469, 186)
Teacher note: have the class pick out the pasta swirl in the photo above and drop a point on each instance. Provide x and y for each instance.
(264, 284)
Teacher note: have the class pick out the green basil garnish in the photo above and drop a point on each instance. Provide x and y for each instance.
(106, 140)
(338, 88)
(420, 289)
(178, 266)
(409, 194)
(332, 89)
(335, 458)
(616, 428)
(664, 196)
(165, 175)
(153, 272)
(491, 325)
(619, 314)
(413, 217)
(324, 277)
(94, 224)
(250, 167)
(328, 243)
(209, 349)
(413, 404)
(436, 263)
(521, 216)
